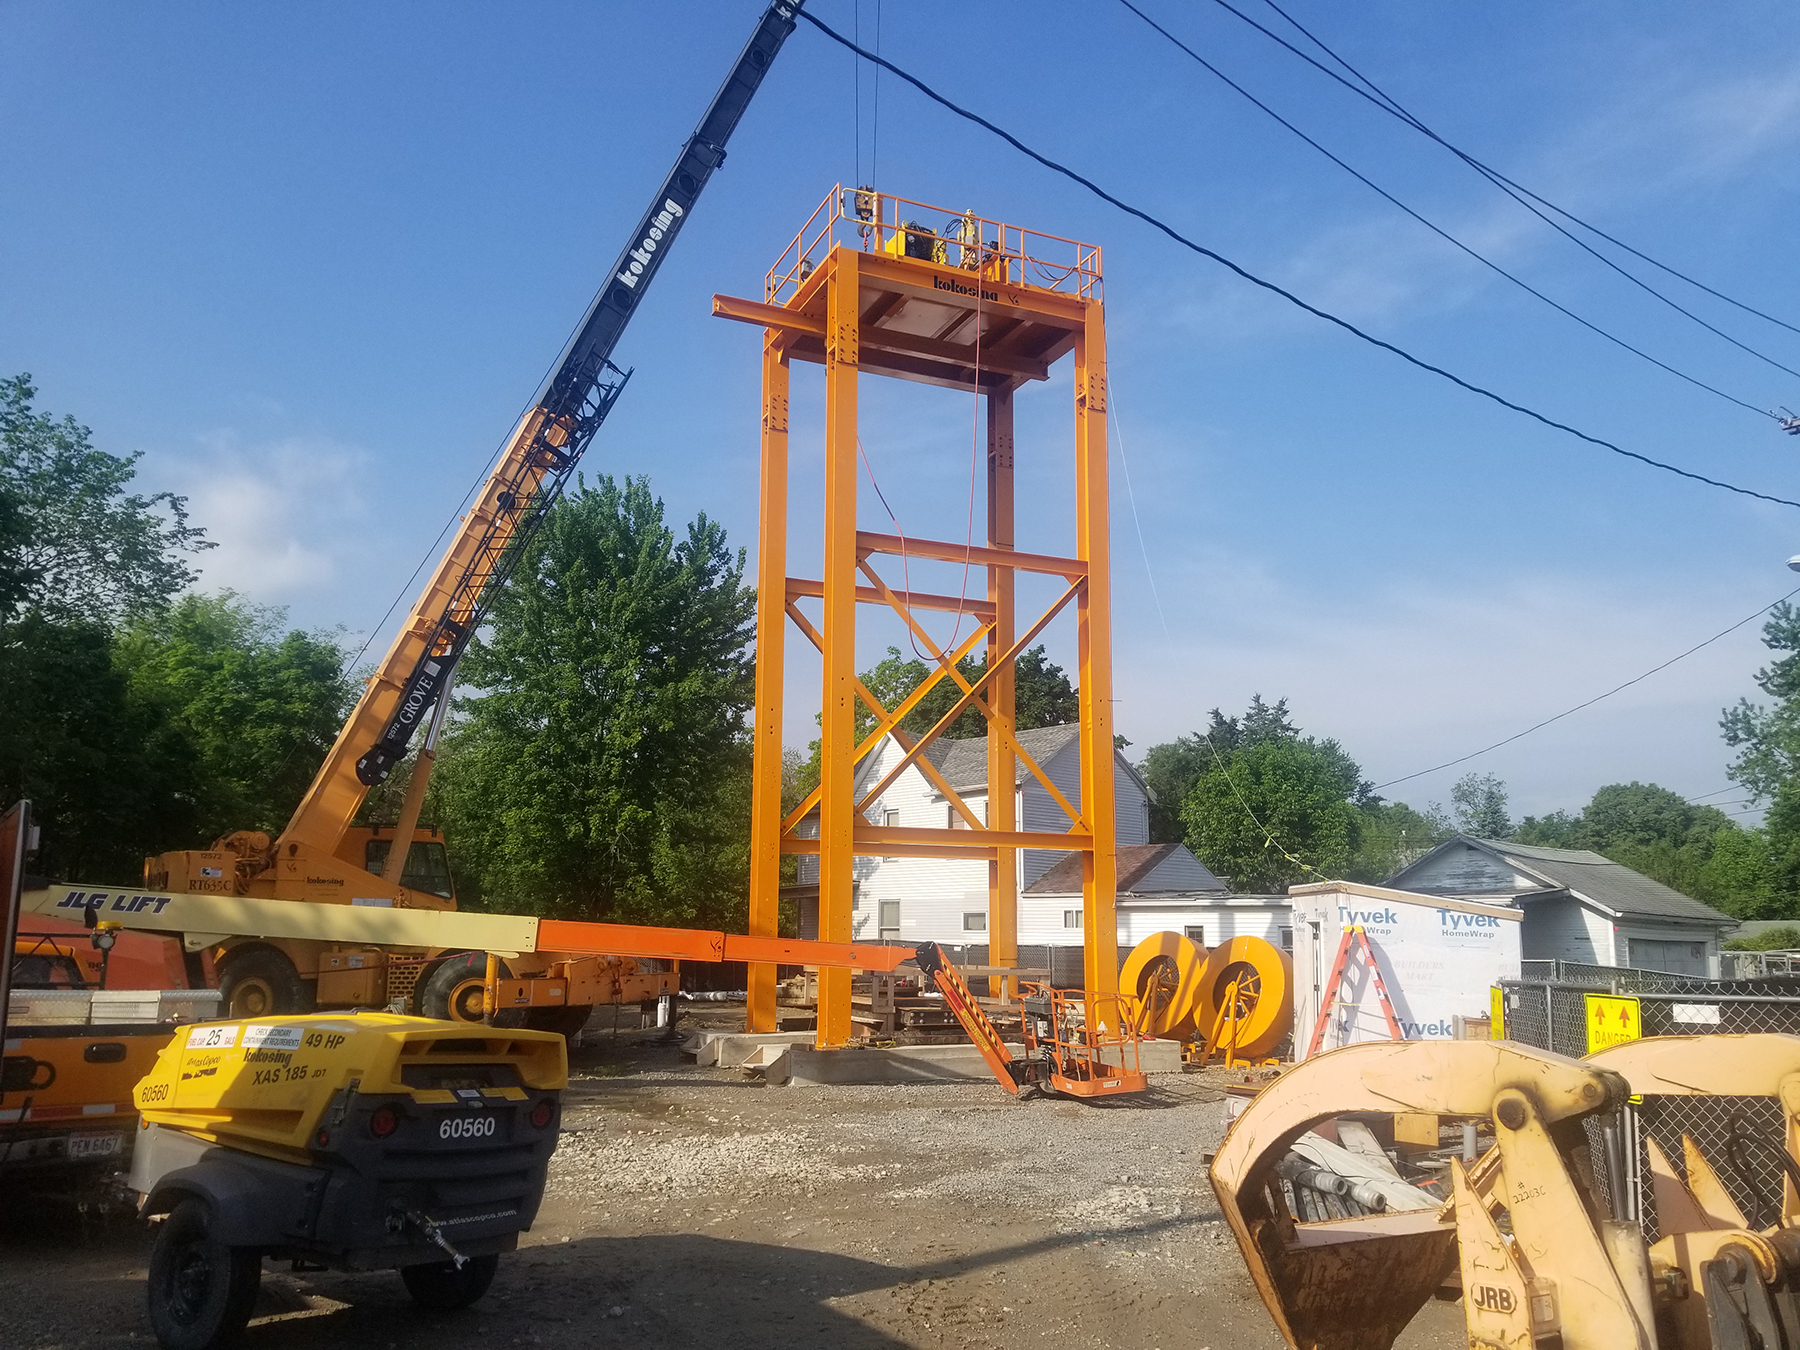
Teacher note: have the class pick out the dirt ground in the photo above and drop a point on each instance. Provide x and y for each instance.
(692, 1207)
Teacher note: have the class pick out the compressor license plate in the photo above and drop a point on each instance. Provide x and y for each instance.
(83, 1146)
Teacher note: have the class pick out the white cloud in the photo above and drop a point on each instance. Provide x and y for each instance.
(1418, 674)
(287, 516)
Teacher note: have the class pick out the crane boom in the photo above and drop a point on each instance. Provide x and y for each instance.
(528, 477)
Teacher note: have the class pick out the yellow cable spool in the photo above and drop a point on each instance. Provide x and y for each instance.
(1162, 979)
(1264, 976)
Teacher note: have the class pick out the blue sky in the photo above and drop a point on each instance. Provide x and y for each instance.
(311, 261)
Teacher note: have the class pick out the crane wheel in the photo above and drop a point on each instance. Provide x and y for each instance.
(1162, 975)
(563, 1021)
(261, 982)
(201, 1291)
(452, 992)
(442, 1287)
(1257, 979)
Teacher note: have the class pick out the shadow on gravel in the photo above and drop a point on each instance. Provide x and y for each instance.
(83, 1284)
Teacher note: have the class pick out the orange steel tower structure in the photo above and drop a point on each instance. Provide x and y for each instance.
(878, 285)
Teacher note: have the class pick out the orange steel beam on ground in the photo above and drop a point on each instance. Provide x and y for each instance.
(936, 549)
(698, 944)
(801, 588)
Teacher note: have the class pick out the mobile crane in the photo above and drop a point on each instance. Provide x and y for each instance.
(323, 856)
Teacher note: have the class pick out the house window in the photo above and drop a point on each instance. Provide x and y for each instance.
(975, 923)
(1195, 933)
(1071, 918)
(891, 819)
(890, 920)
(1287, 939)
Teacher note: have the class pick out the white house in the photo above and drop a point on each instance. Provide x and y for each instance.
(945, 900)
(1578, 905)
(1163, 888)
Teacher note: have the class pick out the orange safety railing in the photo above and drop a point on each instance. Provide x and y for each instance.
(1081, 1050)
(882, 223)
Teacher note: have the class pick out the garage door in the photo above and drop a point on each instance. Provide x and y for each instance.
(1677, 958)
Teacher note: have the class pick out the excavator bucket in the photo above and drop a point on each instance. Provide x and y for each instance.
(1354, 1284)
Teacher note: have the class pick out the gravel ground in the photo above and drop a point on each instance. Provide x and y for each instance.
(693, 1206)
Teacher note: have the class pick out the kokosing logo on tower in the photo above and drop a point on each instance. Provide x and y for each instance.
(662, 229)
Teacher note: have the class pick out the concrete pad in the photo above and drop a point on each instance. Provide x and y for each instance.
(810, 1067)
(730, 1051)
(770, 1063)
(1156, 1056)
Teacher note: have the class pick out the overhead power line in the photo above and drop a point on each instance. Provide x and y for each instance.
(1570, 712)
(1270, 286)
(1374, 95)
(1445, 234)
(1442, 233)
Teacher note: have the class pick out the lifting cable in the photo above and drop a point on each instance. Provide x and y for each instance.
(1284, 293)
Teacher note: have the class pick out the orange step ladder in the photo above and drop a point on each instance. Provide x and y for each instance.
(1354, 939)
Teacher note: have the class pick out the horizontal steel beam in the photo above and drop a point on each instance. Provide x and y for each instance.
(798, 587)
(975, 554)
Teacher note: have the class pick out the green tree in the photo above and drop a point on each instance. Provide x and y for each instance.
(84, 547)
(1780, 939)
(1042, 694)
(600, 768)
(258, 708)
(1478, 805)
(1170, 771)
(107, 781)
(1270, 803)
(1393, 836)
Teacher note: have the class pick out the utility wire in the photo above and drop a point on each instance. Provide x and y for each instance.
(1442, 233)
(1542, 201)
(1285, 294)
(1636, 679)
(1513, 190)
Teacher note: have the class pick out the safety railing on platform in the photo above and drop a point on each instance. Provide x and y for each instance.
(879, 222)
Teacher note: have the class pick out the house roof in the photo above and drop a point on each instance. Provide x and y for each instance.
(1608, 884)
(1139, 865)
(964, 762)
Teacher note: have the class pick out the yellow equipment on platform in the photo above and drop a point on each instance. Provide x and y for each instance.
(1235, 1001)
(361, 1142)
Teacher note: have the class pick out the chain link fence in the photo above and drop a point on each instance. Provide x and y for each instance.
(1742, 1137)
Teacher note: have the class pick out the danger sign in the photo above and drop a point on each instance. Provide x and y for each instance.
(1612, 1021)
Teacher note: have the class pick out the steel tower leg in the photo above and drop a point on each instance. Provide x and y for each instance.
(1093, 618)
(1003, 871)
(771, 633)
(837, 813)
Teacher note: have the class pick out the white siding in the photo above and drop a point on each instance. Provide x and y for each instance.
(1262, 917)
(935, 893)
(1564, 930)
(1039, 811)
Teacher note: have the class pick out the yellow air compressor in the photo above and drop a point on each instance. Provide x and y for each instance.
(362, 1141)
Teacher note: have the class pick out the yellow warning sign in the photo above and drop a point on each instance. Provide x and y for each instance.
(1496, 1014)
(1612, 1021)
